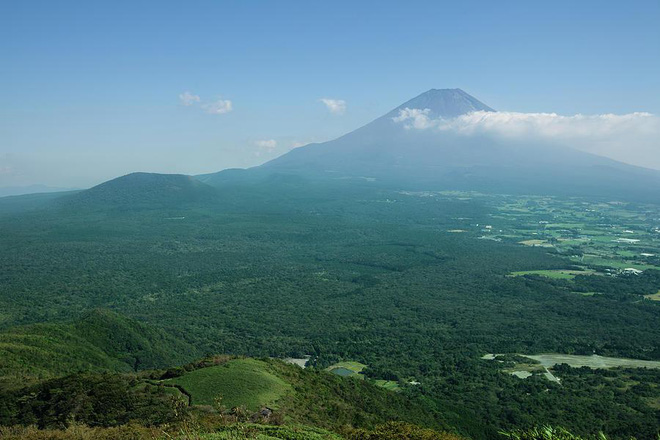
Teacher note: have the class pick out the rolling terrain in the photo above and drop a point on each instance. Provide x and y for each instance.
(296, 273)
(100, 341)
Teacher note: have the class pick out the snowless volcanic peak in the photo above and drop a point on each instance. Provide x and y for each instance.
(444, 103)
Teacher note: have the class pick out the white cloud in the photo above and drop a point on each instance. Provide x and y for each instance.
(188, 99)
(632, 138)
(267, 145)
(551, 125)
(336, 106)
(219, 107)
(415, 118)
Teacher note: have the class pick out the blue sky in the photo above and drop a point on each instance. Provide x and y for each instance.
(90, 90)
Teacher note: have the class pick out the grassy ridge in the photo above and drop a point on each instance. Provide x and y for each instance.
(240, 382)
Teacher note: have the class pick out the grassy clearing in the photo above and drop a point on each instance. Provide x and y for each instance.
(539, 243)
(565, 226)
(354, 369)
(388, 384)
(615, 264)
(653, 296)
(556, 274)
(594, 361)
(240, 382)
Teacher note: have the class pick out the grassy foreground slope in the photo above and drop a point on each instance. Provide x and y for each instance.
(303, 396)
(388, 431)
(100, 341)
(297, 397)
(240, 382)
(238, 431)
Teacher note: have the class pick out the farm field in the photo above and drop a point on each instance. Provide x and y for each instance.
(557, 274)
(607, 237)
(594, 361)
(653, 296)
(536, 242)
(524, 366)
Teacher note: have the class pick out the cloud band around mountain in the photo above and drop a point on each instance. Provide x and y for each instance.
(632, 137)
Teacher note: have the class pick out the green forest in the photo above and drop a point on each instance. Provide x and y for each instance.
(417, 287)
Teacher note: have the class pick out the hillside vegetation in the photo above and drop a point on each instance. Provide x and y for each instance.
(100, 341)
(221, 390)
(348, 273)
(242, 382)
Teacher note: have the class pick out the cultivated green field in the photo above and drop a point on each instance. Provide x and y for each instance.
(557, 274)
(653, 296)
(599, 234)
(551, 359)
(388, 384)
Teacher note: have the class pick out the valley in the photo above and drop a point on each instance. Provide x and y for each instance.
(301, 275)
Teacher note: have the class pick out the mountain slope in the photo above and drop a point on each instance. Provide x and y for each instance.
(304, 404)
(442, 103)
(31, 189)
(31, 202)
(390, 154)
(143, 191)
(100, 341)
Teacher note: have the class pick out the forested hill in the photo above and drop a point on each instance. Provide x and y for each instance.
(143, 190)
(101, 340)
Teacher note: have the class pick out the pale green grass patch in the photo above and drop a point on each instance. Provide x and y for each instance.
(555, 274)
(240, 382)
